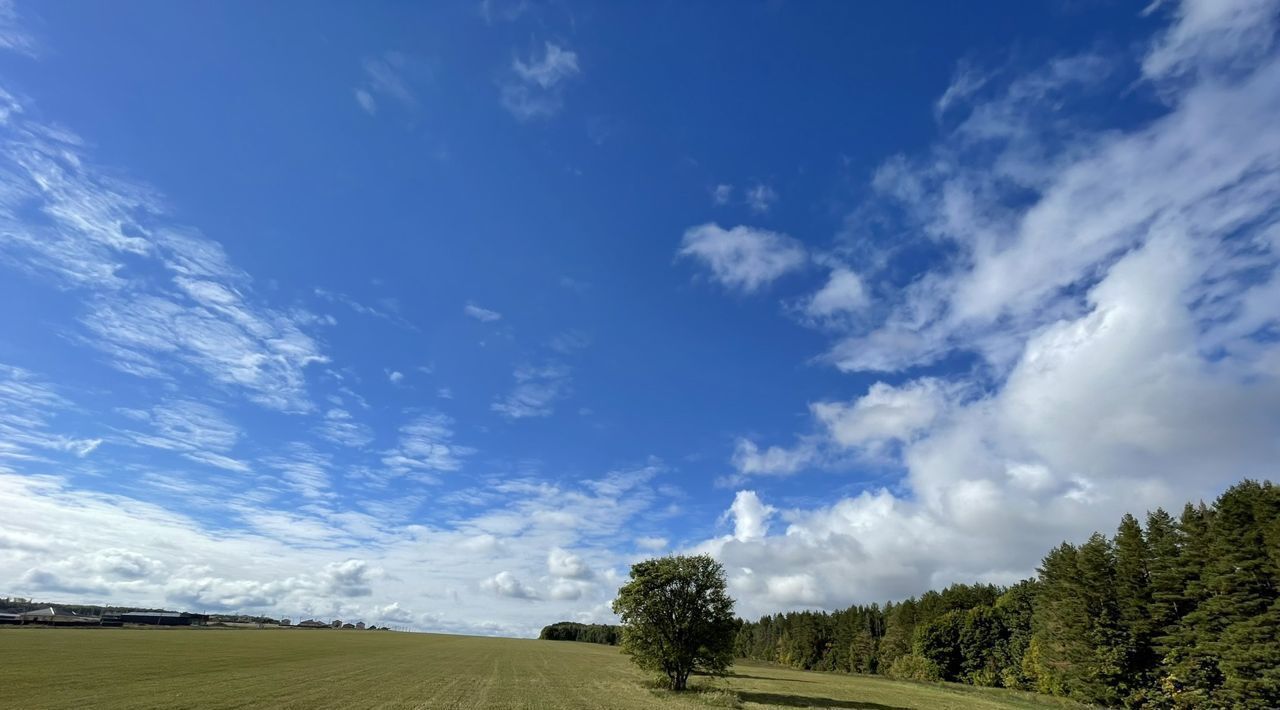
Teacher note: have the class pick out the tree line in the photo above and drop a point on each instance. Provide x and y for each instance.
(1178, 613)
(607, 634)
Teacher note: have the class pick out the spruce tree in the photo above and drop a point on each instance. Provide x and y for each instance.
(1239, 614)
(1133, 603)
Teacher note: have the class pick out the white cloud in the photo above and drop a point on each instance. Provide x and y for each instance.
(320, 561)
(844, 293)
(303, 470)
(197, 431)
(505, 584)
(28, 407)
(965, 82)
(426, 444)
(749, 460)
(366, 101)
(743, 258)
(395, 377)
(750, 516)
(885, 413)
(158, 298)
(535, 393)
(566, 565)
(536, 88)
(760, 198)
(653, 544)
(721, 194)
(384, 77)
(556, 65)
(484, 315)
(1135, 274)
(340, 427)
(14, 36)
(1210, 33)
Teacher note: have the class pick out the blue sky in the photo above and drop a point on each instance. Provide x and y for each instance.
(441, 315)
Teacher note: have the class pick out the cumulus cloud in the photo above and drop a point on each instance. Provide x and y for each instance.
(505, 584)
(566, 565)
(535, 89)
(743, 258)
(884, 413)
(750, 516)
(843, 294)
(750, 459)
(1115, 310)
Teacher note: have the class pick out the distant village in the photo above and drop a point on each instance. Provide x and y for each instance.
(24, 612)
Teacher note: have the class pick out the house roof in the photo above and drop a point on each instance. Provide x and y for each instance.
(49, 611)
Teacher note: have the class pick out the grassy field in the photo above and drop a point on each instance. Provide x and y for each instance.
(208, 668)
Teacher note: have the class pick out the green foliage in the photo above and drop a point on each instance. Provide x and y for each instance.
(1182, 614)
(913, 667)
(606, 634)
(677, 617)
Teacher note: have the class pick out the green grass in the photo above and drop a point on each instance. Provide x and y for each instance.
(209, 668)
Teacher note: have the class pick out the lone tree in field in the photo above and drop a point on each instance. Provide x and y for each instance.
(677, 617)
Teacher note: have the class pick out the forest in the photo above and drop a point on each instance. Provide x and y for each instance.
(607, 634)
(1178, 613)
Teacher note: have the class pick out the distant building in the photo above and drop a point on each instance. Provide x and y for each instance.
(6, 618)
(312, 624)
(285, 622)
(360, 625)
(164, 618)
(53, 615)
(337, 623)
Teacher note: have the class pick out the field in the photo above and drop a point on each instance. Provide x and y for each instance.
(208, 668)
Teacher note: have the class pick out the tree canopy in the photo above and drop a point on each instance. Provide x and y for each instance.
(677, 617)
(1182, 614)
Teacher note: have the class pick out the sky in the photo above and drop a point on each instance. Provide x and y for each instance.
(441, 315)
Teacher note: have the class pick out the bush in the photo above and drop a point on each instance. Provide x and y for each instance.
(913, 667)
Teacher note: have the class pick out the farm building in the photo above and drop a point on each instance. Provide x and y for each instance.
(54, 615)
(164, 618)
(312, 624)
(6, 618)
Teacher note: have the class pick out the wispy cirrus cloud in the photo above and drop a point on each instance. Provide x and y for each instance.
(384, 78)
(195, 430)
(14, 35)
(160, 298)
(28, 406)
(426, 445)
(535, 87)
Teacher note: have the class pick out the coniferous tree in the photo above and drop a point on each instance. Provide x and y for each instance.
(1239, 616)
(1133, 603)
(1190, 668)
